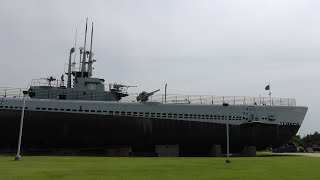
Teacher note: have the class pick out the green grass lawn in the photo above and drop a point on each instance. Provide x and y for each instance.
(72, 167)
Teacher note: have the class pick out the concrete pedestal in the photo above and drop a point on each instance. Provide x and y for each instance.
(249, 151)
(118, 151)
(167, 150)
(215, 151)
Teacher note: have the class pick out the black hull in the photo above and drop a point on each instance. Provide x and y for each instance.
(56, 130)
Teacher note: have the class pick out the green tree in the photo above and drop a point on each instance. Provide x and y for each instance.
(311, 140)
(296, 140)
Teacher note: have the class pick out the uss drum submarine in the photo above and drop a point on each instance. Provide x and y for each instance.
(85, 118)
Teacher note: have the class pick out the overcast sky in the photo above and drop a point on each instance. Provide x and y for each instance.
(214, 47)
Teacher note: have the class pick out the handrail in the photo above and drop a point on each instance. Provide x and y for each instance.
(217, 100)
(170, 98)
(45, 82)
(11, 92)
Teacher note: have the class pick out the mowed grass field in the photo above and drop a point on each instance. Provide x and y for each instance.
(75, 167)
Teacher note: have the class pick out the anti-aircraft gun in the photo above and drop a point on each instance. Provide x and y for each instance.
(144, 96)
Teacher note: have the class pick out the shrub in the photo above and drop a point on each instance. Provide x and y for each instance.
(300, 149)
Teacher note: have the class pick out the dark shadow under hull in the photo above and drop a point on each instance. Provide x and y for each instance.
(46, 131)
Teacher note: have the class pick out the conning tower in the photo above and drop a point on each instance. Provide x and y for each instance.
(85, 87)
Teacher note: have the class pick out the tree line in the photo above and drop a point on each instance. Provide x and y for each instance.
(310, 140)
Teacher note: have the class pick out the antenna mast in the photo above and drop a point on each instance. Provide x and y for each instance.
(80, 52)
(75, 47)
(90, 55)
(84, 51)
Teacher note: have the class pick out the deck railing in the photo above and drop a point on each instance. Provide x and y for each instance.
(46, 82)
(216, 100)
(11, 92)
(170, 98)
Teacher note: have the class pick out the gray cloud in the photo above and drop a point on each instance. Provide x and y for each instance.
(198, 47)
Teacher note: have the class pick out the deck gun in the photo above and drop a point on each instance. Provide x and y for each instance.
(144, 96)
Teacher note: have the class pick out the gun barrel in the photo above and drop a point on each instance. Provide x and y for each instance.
(155, 91)
(151, 93)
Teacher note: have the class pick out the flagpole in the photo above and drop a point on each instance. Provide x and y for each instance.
(270, 93)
